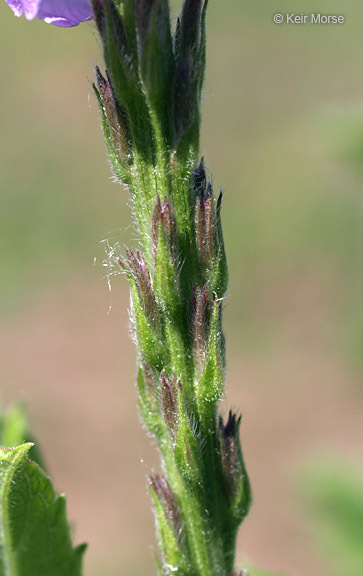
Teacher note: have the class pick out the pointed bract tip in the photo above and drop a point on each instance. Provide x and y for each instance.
(230, 429)
(199, 179)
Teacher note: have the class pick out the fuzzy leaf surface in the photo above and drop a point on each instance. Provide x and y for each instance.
(35, 536)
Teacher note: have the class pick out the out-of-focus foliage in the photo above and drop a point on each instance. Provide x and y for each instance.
(333, 494)
(255, 572)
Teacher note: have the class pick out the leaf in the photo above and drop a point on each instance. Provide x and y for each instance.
(14, 430)
(35, 537)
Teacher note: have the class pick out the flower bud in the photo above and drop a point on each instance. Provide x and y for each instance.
(190, 28)
(189, 46)
(115, 122)
(204, 224)
(199, 179)
(208, 231)
(163, 218)
(220, 276)
(156, 60)
(200, 321)
(234, 472)
(118, 34)
(167, 507)
(229, 435)
(137, 271)
(169, 401)
(204, 218)
(99, 15)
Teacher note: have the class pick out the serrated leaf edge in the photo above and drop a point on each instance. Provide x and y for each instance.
(6, 478)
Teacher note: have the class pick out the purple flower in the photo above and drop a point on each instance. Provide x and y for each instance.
(64, 13)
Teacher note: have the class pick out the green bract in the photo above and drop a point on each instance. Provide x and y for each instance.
(150, 99)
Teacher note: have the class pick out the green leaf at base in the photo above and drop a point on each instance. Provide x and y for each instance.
(35, 538)
(14, 430)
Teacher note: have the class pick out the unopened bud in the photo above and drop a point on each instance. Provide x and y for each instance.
(200, 322)
(199, 179)
(163, 216)
(169, 397)
(220, 273)
(208, 230)
(156, 60)
(117, 30)
(136, 268)
(189, 67)
(235, 475)
(117, 129)
(164, 494)
(204, 224)
(190, 27)
(99, 14)
(229, 444)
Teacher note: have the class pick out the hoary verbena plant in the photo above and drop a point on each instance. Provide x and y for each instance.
(149, 93)
(150, 99)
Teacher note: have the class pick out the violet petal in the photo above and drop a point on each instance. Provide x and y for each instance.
(65, 13)
(30, 7)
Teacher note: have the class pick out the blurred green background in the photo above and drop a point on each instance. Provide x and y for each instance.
(283, 134)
